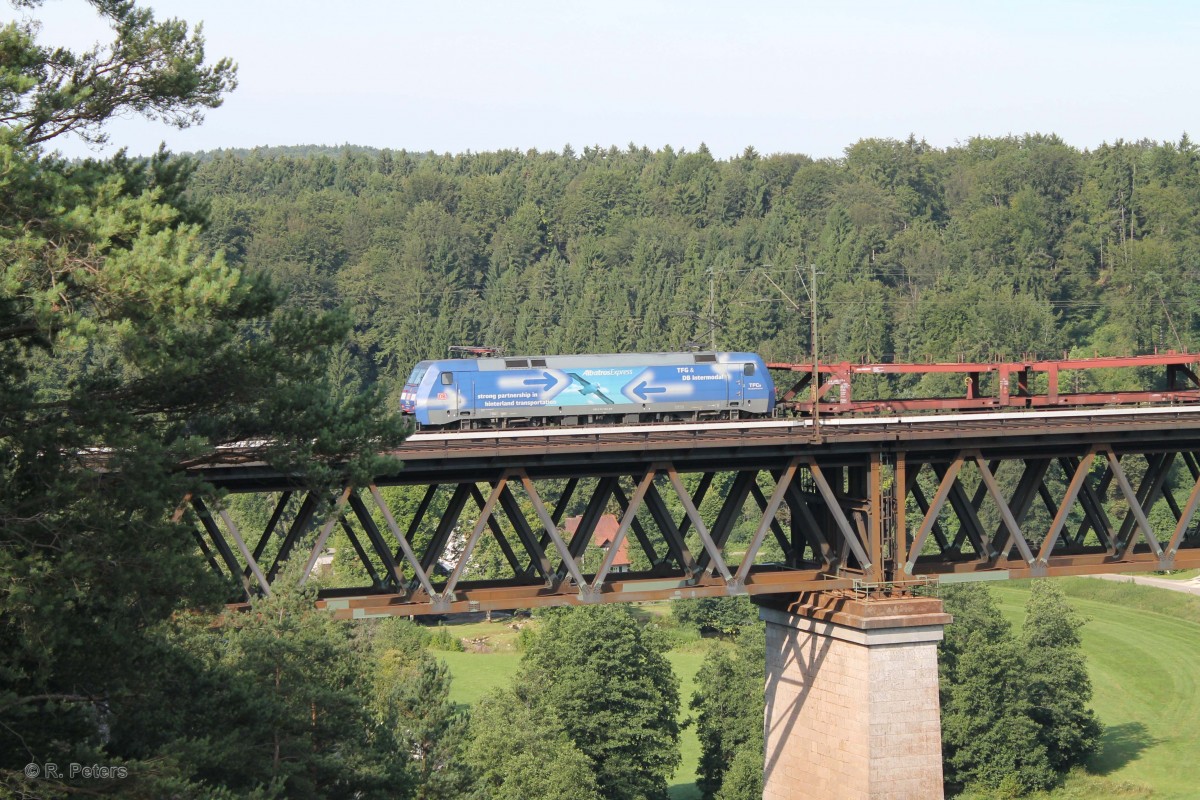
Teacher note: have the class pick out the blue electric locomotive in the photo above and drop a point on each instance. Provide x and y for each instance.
(584, 389)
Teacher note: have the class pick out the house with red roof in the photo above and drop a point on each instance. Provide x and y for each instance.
(602, 537)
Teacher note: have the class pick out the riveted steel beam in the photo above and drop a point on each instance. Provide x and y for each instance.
(932, 510)
(692, 515)
(322, 537)
(498, 532)
(361, 554)
(847, 508)
(420, 574)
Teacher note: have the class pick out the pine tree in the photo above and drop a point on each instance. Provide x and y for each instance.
(128, 354)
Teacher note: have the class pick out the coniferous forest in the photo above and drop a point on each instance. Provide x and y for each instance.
(994, 248)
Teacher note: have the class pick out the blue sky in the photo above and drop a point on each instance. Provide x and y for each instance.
(801, 77)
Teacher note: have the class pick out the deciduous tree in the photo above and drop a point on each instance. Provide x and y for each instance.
(605, 677)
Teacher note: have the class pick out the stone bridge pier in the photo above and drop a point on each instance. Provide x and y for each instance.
(852, 706)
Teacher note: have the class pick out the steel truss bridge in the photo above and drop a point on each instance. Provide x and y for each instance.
(849, 503)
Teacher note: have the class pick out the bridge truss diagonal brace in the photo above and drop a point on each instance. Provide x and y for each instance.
(776, 528)
(1094, 515)
(319, 545)
(382, 550)
(812, 531)
(410, 556)
(677, 549)
(180, 511)
(272, 523)
(988, 479)
(635, 503)
(1078, 480)
(222, 547)
(1135, 508)
(693, 515)
(657, 511)
(922, 503)
(538, 563)
(485, 514)
(251, 561)
(970, 528)
(772, 507)
(361, 553)
(1185, 519)
(931, 515)
(552, 530)
(1158, 468)
(849, 536)
(1030, 486)
(304, 517)
(506, 549)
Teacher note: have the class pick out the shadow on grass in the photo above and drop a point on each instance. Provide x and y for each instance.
(1119, 745)
(684, 791)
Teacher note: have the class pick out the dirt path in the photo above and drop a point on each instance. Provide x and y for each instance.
(1187, 587)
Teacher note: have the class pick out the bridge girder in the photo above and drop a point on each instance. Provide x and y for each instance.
(893, 506)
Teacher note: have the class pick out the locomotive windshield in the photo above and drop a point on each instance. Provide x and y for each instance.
(418, 373)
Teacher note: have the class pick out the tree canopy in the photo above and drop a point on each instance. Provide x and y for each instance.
(997, 247)
(1014, 713)
(604, 677)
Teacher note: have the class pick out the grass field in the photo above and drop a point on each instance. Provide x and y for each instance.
(1143, 651)
(686, 662)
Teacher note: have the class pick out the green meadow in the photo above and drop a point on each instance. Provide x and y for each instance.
(1143, 651)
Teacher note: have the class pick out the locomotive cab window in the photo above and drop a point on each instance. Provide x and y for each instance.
(747, 369)
(447, 378)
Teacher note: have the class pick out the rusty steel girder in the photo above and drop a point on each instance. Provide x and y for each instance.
(861, 502)
(820, 530)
